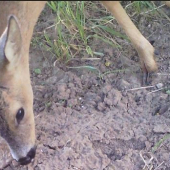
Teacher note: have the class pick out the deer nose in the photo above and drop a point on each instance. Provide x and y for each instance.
(26, 160)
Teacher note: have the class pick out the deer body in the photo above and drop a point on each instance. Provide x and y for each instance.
(17, 21)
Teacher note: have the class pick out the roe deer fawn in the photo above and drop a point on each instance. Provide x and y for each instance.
(17, 21)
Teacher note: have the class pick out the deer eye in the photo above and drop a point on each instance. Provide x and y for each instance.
(20, 115)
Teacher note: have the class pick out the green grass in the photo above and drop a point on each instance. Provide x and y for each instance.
(160, 142)
(76, 31)
(142, 5)
(78, 24)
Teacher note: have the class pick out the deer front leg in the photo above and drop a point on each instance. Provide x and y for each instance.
(167, 3)
(141, 44)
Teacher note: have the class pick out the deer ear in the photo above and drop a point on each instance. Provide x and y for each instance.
(12, 48)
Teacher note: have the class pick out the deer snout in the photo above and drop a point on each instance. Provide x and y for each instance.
(26, 160)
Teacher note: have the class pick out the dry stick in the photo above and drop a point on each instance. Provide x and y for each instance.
(139, 88)
(163, 74)
(158, 86)
(147, 162)
(153, 9)
(155, 90)
(159, 165)
(163, 13)
(49, 27)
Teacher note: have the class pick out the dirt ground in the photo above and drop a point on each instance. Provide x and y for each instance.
(87, 123)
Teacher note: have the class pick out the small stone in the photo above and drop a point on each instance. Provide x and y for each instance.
(101, 106)
(161, 128)
(123, 85)
(159, 85)
(15, 163)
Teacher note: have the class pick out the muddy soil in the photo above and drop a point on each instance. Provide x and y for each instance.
(87, 123)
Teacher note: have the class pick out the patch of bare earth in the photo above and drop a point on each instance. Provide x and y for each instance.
(85, 123)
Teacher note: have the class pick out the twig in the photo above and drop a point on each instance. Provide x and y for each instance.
(159, 165)
(139, 88)
(153, 9)
(155, 90)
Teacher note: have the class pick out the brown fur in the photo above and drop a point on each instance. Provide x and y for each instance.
(14, 75)
(15, 85)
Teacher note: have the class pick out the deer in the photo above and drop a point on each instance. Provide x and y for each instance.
(17, 22)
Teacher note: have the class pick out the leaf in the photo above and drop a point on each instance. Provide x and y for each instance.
(37, 71)
(91, 68)
(168, 92)
(98, 53)
(107, 63)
